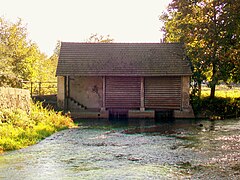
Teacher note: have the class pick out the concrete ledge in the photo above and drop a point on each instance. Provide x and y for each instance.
(90, 115)
(132, 114)
(186, 113)
(141, 114)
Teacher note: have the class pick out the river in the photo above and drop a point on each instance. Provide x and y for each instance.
(145, 149)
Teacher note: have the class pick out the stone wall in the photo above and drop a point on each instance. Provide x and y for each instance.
(185, 92)
(13, 98)
(87, 91)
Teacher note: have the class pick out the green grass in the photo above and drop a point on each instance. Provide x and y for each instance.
(19, 129)
(223, 92)
(226, 103)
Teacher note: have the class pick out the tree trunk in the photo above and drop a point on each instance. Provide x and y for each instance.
(214, 81)
(213, 89)
(214, 58)
(199, 90)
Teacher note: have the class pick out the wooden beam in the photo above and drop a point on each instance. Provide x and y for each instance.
(142, 106)
(103, 93)
(181, 105)
(65, 94)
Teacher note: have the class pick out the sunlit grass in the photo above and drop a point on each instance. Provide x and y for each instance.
(223, 92)
(19, 129)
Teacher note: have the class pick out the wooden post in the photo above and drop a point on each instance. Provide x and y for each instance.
(142, 106)
(103, 93)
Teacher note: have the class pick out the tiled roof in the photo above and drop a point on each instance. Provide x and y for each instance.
(122, 59)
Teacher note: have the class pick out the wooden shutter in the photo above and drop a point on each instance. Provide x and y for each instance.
(163, 92)
(123, 92)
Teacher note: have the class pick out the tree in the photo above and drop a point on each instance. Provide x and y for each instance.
(18, 55)
(20, 59)
(210, 30)
(100, 38)
(51, 63)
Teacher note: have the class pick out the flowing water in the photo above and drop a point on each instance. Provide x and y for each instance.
(185, 149)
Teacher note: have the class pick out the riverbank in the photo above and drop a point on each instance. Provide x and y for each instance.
(19, 129)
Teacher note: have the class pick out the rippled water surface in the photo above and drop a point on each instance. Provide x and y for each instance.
(131, 150)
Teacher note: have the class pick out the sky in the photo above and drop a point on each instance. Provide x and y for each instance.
(75, 20)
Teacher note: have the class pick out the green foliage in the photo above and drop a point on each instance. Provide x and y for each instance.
(20, 59)
(211, 33)
(226, 104)
(19, 129)
(218, 107)
(15, 51)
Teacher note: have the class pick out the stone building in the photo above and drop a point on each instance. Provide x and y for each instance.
(136, 80)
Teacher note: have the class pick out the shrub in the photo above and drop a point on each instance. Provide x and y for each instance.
(226, 104)
(218, 107)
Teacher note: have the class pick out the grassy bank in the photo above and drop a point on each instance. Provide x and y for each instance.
(19, 129)
(226, 103)
(223, 91)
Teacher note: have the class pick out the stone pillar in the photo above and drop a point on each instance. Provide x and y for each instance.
(142, 106)
(185, 92)
(60, 92)
(186, 109)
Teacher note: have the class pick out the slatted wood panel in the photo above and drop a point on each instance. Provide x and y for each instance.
(123, 92)
(163, 92)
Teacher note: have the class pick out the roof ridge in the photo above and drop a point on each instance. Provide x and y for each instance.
(121, 42)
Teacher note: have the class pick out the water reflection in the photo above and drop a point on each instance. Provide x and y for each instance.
(131, 149)
(127, 122)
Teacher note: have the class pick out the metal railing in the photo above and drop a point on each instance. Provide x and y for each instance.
(40, 88)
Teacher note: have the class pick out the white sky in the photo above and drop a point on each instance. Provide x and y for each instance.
(75, 20)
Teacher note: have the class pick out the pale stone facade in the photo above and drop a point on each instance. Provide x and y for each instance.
(87, 91)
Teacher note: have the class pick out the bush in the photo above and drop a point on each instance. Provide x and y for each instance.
(226, 103)
(219, 107)
(19, 129)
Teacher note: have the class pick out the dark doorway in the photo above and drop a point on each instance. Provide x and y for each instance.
(118, 114)
(164, 115)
